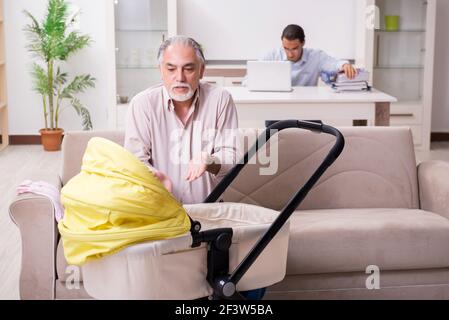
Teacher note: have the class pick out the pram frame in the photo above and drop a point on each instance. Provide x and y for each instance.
(219, 241)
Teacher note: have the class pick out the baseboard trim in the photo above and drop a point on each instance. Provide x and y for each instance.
(439, 136)
(24, 139)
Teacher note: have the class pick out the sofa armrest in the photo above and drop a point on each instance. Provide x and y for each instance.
(34, 215)
(433, 179)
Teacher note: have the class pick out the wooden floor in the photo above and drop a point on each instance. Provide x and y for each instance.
(18, 163)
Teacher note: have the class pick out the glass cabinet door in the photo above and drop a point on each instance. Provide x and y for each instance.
(140, 28)
(399, 49)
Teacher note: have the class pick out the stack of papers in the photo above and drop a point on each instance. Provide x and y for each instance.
(354, 86)
(358, 83)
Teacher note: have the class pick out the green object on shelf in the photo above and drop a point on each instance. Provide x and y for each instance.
(391, 23)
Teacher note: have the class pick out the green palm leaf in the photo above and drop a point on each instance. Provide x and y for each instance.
(83, 112)
(36, 37)
(79, 84)
(72, 43)
(40, 80)
(61, 77)
(55, 25)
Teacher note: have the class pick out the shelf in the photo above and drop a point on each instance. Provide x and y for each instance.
(401, 31)
(400, 63)
(119, 67)
(399, 67)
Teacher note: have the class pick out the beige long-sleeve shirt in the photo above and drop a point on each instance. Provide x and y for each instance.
(156, 135)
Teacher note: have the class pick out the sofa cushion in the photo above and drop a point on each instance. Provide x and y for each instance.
(347, 240)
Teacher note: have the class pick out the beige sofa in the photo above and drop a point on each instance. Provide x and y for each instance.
(373, 207)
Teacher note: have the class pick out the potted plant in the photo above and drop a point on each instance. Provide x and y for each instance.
(52, 42)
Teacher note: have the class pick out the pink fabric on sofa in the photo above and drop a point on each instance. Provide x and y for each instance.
(44, 189)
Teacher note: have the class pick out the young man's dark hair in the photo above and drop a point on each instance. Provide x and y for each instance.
(293, 32)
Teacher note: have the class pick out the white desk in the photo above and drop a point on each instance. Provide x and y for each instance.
(310, 103)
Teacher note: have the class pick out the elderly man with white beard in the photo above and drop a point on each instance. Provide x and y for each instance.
(183, 130)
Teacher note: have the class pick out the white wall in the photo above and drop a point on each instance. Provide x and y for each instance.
(440, 112)
(25, 106)
(25, 110)
(246, 29)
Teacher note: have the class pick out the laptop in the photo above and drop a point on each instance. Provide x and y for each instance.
(269, 76)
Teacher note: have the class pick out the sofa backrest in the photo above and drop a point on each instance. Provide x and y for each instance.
(377, 168)
(73, 146)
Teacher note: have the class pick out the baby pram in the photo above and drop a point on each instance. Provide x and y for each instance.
(251, 241)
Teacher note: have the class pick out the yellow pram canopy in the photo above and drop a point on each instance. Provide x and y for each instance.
(115, 201)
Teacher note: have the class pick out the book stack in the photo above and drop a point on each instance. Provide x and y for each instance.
(358, 83)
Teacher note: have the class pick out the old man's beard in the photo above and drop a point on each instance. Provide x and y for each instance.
(181, 97)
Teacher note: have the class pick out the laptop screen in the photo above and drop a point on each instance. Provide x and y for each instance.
(269, 75)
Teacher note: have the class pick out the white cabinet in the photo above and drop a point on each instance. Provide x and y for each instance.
(223, 81)
(402, 62)
(215, 80)
(121, 115)
(233, 81)
(231, 75)
(140, 27)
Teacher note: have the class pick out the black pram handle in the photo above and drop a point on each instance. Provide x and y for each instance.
(293, 203)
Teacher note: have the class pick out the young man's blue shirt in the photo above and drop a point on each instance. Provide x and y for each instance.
(306, 71)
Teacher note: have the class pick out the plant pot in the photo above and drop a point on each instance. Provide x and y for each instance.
(51, 139)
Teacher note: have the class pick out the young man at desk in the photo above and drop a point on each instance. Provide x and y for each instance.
(306, 64)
